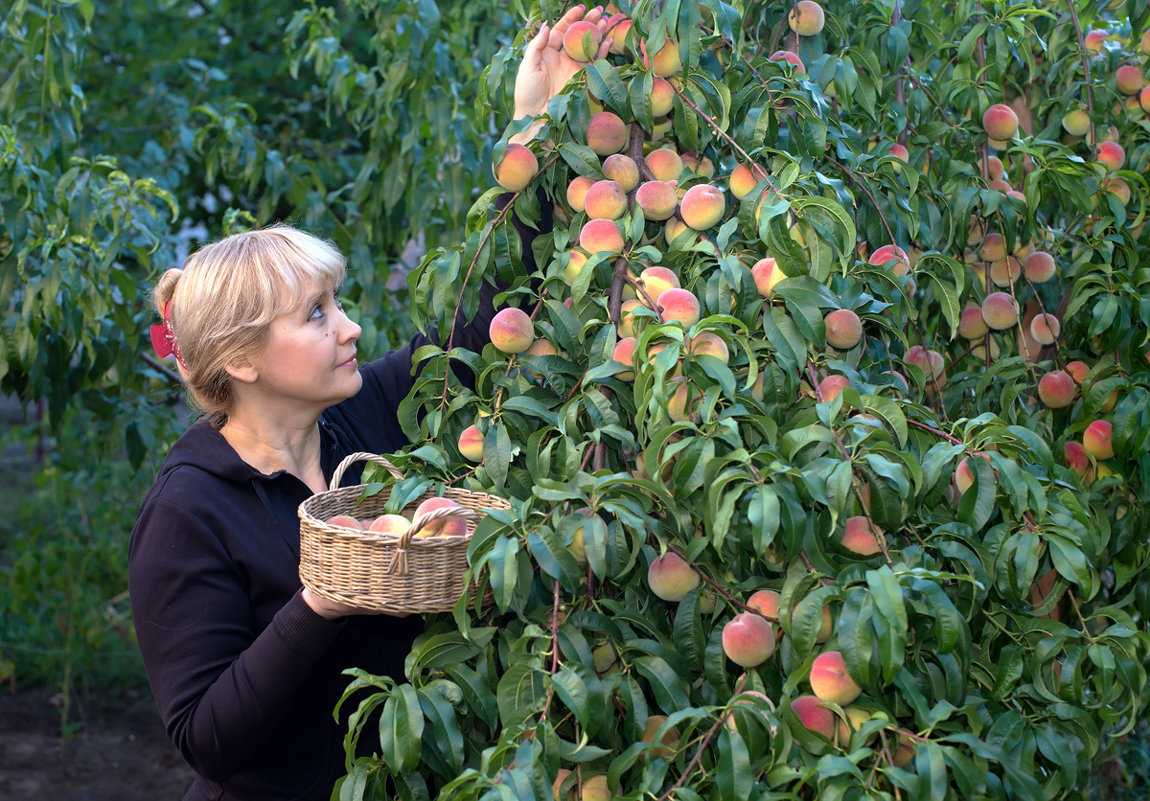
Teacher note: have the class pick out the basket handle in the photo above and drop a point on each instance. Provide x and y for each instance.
(398, 562)
(352, 458)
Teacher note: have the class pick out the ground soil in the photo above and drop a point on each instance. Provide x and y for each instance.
(117, 752)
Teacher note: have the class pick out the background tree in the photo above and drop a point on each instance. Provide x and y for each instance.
(824, 419)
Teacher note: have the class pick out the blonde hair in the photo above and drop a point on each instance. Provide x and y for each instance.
(226, 295)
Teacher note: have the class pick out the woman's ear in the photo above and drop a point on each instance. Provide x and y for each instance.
(243, 370)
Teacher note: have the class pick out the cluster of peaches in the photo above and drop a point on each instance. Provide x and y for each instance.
(442, 524)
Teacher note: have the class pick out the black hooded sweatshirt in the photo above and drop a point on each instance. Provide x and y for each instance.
(245, 674)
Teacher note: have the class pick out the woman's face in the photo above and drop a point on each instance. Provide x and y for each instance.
(308, 360)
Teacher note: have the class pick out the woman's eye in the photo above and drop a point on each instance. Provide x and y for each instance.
(316, 312)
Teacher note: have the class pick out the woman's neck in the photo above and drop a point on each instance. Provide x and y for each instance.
(269, 446)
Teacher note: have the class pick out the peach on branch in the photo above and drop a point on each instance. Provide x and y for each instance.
(666, 62)
(964, 473)
(1056, 389)
(1045, 328)
(766, 273)
(813, 715)
(668, 743)
(1111, 155)
(675, 229)
(657, 199)
(699, 165)
(1000, 122)
(844, 329)
(1096, 439)
(656, 280)
(929, 361)
(624, 353)
(970, 322)
(855, 718)
(619, 33)
(389, 524)
(511, 330)
(1076, 122)
(1005, 272)
(830, 680)
(766, 603)
(1119, 188)
(581, 41)
(899, 151)
(517, 168)
(702, 206)
(789, 57)
(683, 405)
(979, 351)
(471, 444)
(1128, 79)
(993, 167)
(576, 262)
(806, 18)
(708, 343)
(449, 526)
(1039, 267)
(862, 536)
(892, 256)
(662, 97)
(622, 168)
(1144, 98)
(605, 200)
(748, 639)
(665, 164)
(745, 178)
(626, 327)
(1094, 40)
(1078, 460)
(671, 578)
(606, 133)
(993, 247)
(1000, 311)
(601, 236)
(680, 305)
(831, 386)
(1078, 370)
(577, 191)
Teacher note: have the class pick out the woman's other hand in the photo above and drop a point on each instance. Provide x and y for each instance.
(331, 610)
(546, 68)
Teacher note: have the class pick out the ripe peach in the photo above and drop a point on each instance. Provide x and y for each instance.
(605, 200)
(994, 167)
(1078, 370)
(450, 526)
(1094, 40)
(1078, 461)
(970, 322)
(830, 680)
(1000, 122)
(626, 327)
(598, 236)
(844, 329)
(345, 521)
(683, 405)
(1076, 122)
(964, 473)
(389, 524)
(622, 168)
(606, 133)
(471, 444)
(666, 62)
(511, 330)
(855, 718)
(575, 264)
(700, 166)
(993, 247)
(766, 603)
(929, 361)
(662, 97)
(1110, 154)
(1044, 328)
(1128, 79)
(1119, 188)
(517, 167)
(581, 42)
(790, 57)
(766, 273)
(1144, 98)
(671, 578)
(665, 164)
(1039, 267)
(1096, 440)
(862, 537)
(656, 280)
(898, 260)
(674, 229)
(806, 18)
(903, 752)
(1005, 272)
(748, 640)
(619, 33)
(813, 715)
(702, 206)
(979, 351)
(577, 191)
(624, 353)
(1000, 311)
(668, 744)
(657, 199)
(708, 343)
(1056, 389)
(681, 305)
(831, 386)
(743, 179)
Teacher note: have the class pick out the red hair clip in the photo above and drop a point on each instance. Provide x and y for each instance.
(164, 338)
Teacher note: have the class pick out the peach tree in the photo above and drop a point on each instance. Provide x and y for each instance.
(822, 401)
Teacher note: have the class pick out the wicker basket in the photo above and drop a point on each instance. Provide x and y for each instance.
(387, 572)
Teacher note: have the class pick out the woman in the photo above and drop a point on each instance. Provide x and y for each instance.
(245, 665)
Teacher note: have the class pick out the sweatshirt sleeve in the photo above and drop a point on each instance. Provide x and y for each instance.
(221, 687)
